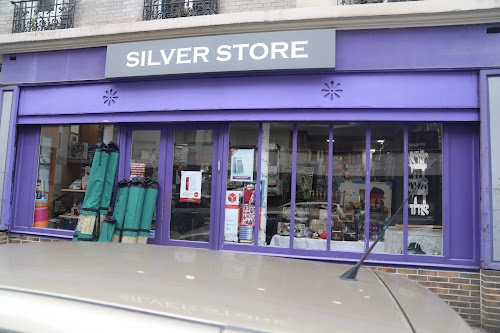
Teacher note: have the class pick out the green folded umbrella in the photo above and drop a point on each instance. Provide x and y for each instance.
(86, 227)
(120, 208)
(108, 227)
(133, 213)
(109, 178)
(148, 210)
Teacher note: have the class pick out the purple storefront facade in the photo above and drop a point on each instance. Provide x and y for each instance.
(387, 77)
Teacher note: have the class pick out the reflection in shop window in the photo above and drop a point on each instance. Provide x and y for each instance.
(425, 222)
(145, 154)
(276, 173)
(386, 184)
(240, 206)
(348, 183)
(192, 185)
(64, 165)
(349, 223)
(144, 158)
(311, 193)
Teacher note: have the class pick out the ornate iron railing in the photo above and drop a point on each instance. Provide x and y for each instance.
(38, 15)
(356, 2)
(164, 9)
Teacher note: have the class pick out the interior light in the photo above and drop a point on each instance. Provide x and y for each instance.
(336, 302)
(189, 277)
(372, 150)
(380, 141)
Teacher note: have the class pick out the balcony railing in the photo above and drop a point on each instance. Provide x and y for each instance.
(32, 15)
(164, 9)
(357, 2)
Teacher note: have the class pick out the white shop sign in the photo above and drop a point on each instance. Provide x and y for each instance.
(282, 50)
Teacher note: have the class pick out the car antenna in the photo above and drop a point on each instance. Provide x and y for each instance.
(350, 275)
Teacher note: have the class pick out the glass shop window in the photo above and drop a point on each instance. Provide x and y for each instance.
(311, 189)
(425, 220)
(64, 164)
(144, 157)
(191, 200)
(348, 187)
(145, 154)
(276, 172)
(240, 205)
(386, 185)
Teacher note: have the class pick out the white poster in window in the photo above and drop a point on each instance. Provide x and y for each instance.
(190, 186)
(45, 149)
(232, 212)
(242, 164)
(44, 176)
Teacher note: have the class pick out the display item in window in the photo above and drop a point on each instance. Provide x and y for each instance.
(249, 194)
(41, 216)
(98, 195)
(78, 151)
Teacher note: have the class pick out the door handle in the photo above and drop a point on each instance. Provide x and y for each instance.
(218, 166)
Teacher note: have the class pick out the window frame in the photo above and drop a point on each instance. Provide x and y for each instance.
(444, 260)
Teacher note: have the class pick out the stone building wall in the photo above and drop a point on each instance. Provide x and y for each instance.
(95, 12)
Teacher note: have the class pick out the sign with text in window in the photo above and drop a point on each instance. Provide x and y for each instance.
(242, 161)
(231, 216)
(190, 186)
(280, 50)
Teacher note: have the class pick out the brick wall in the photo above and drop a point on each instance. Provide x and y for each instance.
(461, 290)
(15, 238)
(490, 292)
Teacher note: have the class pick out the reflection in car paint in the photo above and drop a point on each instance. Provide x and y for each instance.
(185, 309)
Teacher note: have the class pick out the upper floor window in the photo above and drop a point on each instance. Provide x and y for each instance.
(163, 9)
(38, 15)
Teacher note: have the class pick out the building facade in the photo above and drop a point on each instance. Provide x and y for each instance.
(277, 128)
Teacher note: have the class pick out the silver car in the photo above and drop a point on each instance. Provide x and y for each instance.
(106, 287)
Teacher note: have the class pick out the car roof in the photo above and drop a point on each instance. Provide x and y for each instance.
(225, 289)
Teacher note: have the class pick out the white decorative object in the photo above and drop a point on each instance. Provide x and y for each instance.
(416, 161)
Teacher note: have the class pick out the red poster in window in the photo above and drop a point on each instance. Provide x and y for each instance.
(248, 215)
(190, 186)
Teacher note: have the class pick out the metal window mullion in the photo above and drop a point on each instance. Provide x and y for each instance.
(330, 188)
(294, 184)
(257, 188)
(405, 190)
(224, 155)
(7, 129)
(367, 187)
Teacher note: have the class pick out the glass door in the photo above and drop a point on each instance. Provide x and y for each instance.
(193, 166)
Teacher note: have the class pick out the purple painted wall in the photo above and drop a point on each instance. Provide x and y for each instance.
(467, 46)
(463, 177)
(53, 66)
(361, 90)
(358, 50)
